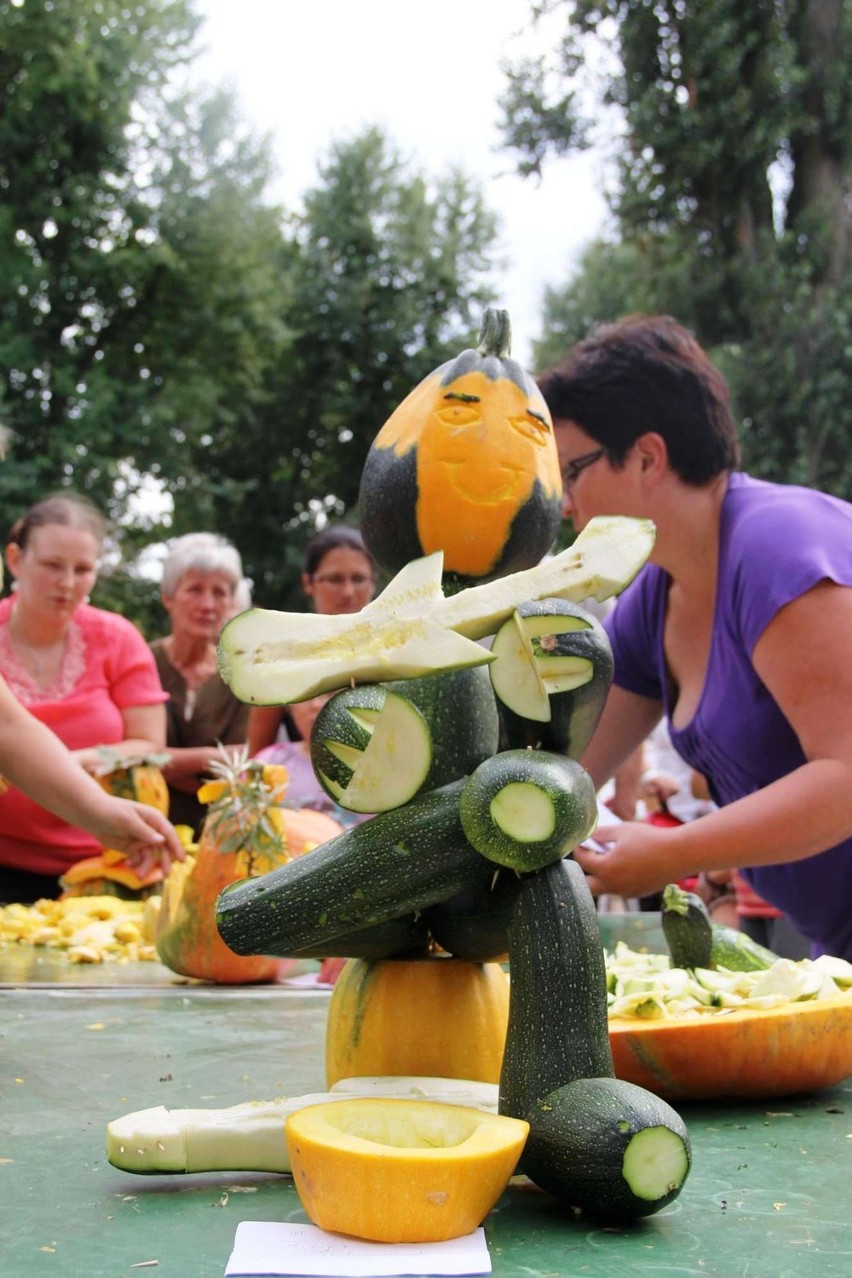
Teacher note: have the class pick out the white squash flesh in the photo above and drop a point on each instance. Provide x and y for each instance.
(273, 658)
(250, 1136)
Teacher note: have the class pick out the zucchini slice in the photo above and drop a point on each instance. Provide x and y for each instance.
(371, 749)
(526, 808)
(411, 629)
(551, 673)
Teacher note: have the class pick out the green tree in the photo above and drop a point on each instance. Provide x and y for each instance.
(140, 269)
(733, 157)
(388, 278)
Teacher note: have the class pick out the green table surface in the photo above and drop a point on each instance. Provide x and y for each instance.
(768, 1196)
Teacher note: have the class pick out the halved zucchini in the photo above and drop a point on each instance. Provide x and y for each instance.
(411, 629)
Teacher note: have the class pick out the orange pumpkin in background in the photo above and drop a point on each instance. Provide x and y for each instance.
(138, 777)
(466, 464)
(248, 831)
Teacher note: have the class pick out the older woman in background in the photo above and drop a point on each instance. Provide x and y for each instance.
(201, 587)
(85, 673)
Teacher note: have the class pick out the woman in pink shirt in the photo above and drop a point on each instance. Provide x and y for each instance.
(88, 675)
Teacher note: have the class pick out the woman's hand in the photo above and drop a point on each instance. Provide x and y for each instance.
(142, 833)
(638, 859)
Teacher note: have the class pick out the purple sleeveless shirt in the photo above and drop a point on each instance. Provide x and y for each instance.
(775, 543)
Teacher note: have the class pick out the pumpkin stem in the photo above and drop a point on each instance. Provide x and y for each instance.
(495, 337)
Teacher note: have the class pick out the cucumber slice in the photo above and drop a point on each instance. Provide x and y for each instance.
(527, 808)
(371, 749)
(411, 629)
(551, 674)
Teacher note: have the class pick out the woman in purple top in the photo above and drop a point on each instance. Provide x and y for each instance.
(737, 630)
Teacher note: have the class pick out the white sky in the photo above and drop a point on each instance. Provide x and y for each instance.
(310, 72)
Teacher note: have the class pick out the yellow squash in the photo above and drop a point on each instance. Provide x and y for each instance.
(435, 1016)
(398, 1170)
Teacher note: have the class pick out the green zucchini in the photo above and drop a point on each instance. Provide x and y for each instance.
(558, 1028)
(371, 749)
(614, 1150)
(551, 675)
(412, 629)
(693, 940)
(474, 924)
(687, 928)
(738, 952)
(403, 937)
(526, 808)
(395, 864)
(461, 710)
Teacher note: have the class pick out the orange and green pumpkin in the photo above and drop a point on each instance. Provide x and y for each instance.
(139, 777)
(247, 832)
(466, 464)
(434, 1016)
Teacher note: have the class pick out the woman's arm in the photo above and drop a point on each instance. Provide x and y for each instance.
(802, 657)
(264, 722)
(144, 733)
(35, 760)
(625, 723)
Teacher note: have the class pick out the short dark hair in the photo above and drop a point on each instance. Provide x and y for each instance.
(332, 538)
(647, 373)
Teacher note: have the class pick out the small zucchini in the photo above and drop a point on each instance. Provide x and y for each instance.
(687, 928)
(526, 808)
(694, 941)
(738, 952)
(614, 1150)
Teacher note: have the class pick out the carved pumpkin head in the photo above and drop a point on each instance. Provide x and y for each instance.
(466, 464)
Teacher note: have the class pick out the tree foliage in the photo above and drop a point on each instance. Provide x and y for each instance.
(161, 320)
(388, 278)
(137, 259)
(732, 153)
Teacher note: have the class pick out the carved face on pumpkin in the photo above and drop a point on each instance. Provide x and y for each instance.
(485, 457)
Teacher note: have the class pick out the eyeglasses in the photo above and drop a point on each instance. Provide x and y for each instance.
(572, 469)
(338, 579)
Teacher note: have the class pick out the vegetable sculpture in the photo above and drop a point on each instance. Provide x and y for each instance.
(468, 844)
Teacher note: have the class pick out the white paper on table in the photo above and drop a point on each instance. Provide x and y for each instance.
(270, 1248)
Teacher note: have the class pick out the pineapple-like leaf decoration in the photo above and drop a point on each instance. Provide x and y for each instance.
(245, 813)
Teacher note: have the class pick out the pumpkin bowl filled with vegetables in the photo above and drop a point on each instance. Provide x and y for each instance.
(739, 1024)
